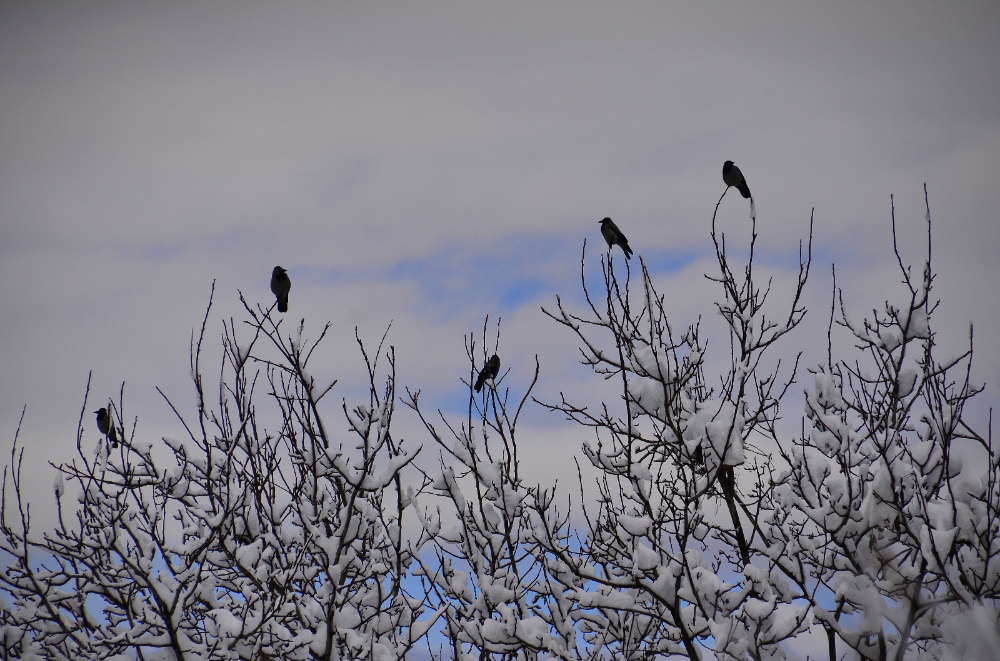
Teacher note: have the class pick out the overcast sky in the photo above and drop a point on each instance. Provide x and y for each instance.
(434, 163)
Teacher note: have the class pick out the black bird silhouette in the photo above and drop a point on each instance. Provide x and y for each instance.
(613, 236)
(490, 371)
(280, 286)
(727, 480)
(105, 427)
(732, 176)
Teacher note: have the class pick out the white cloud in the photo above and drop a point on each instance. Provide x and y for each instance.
(434, 163)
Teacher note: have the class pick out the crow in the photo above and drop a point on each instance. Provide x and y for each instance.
(614, 235)
(105, 427)
(490, 371)
(732, 176)
(727, 480)
(280, 286)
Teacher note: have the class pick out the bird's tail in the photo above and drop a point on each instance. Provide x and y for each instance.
(283, 303)
(744, 190)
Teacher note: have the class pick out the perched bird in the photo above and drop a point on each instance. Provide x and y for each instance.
(280, 286)
(490, 371)
(614, 235)
(105, 427)
(727, 480)
(732, 176)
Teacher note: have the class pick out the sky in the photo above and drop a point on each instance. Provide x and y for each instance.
(431, 164)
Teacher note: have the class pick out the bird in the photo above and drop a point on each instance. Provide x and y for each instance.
(105, 427)
(614, 235)
(490, 371)
(732, 176)
(280, 286)
(727, 480)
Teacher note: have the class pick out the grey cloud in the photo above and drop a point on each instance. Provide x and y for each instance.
(378, 150)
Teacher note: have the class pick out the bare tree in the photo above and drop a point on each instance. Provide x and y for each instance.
(498, 598)
(263, 533)
(879, 519)
(244, 543)
(656, 549)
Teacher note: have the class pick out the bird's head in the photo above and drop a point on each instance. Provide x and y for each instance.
(604, 222)
(101, 411)
(278, 271)
(727, 164)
